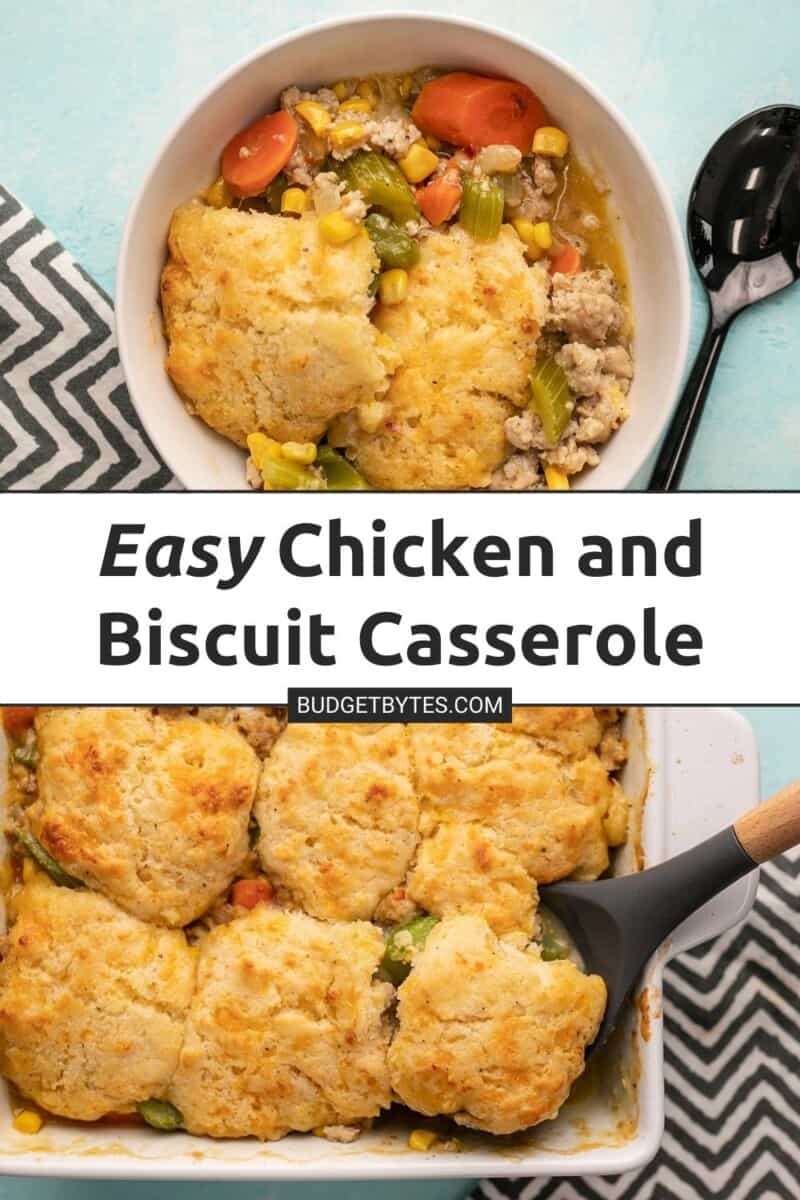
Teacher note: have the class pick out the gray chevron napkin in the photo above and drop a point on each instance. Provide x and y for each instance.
(732, 1014)
(66, 420)
(732, 1066)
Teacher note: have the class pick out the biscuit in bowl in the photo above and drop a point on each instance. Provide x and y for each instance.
(338, 816)
(268, 325)
(467, 335)
(92, 1002)
(490, 1034)
(286, 1029)
(151, 810)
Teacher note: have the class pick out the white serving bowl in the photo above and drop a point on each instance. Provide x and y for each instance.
(694, 771)
(360, 45)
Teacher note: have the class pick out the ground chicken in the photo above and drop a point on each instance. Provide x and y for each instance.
(519, 473)
(586, 306)
(587, 369)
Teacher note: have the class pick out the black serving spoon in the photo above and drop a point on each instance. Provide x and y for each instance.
(618, 924)
(744, 237)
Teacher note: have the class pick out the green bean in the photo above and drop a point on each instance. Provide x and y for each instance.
(35, 850)
(553, 401)
(160, 1114)
(393, 245)
(551, 937)
(381, 183)
(482, 204)
(340, 475)
(398, 954)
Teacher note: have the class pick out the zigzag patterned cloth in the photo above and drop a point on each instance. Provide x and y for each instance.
(732, 1048)
(66, 420)
(731, 1008)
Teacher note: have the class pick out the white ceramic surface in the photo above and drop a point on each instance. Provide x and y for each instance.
(703, 773)
(391, 42)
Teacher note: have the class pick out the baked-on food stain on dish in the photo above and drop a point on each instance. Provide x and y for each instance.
(258, 1018)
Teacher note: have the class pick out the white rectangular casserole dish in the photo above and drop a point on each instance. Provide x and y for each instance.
(699, 769)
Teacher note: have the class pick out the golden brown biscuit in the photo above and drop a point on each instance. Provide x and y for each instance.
(151, 810)
(286, 1029)
(92, 1002)
(268, 325)
(467, 336)
(490, 1034)
(557, 815)
(462, 868)
(338, 816)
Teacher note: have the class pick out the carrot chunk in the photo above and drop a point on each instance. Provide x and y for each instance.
(439, 199)
(566, 261)
(247, 893)
(255, 156)
(476, 110)
(16, 719)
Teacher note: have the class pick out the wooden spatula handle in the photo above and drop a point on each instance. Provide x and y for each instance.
(772, 827)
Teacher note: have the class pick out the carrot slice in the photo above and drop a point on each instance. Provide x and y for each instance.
(255, 156)
(439, 199)
(475, 110)
(16, 719)
(566, 261)
(247, 893)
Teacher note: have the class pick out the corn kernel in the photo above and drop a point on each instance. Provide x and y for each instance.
(293, 201)
(557, 481)
(421, 1139)
(262, 448)
(550, 141)
(393, 286)
(542, 235)
(27, 1121)
(432, 142)
(336, 229)
(28, 870)
(299, 452)
(526, 230)
(371, 415)
(314, 114)
(346, 134)
(368, 89)
(357, 105)
(406, 84)
(341, 90)
(219, 194)
(419, 163)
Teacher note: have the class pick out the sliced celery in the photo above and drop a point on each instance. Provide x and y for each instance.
(381, 182)
(340, 475)
(551, 937)
(398, 955)
(482, 203)
(160, 1114)
(280, 475)
(393, 245)
(552, 399)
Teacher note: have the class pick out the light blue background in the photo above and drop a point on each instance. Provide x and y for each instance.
(90, 88)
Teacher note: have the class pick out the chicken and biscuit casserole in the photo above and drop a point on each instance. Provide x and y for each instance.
(402, 282)
(225, 924)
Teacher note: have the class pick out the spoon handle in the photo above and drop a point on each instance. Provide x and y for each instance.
(773, 827)
(680, 435)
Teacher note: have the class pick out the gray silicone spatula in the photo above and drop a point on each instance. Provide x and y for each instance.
(617, 924)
